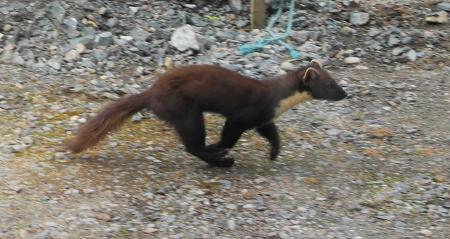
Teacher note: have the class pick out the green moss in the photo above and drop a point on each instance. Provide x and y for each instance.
(369, 177)
(122, 232)
(64, 116)
(5, 117)
(4, 198)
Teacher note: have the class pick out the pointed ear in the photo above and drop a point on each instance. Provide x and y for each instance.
(316, 64)
(309, 75)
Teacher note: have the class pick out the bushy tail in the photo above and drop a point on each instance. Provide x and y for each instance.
(108, 119)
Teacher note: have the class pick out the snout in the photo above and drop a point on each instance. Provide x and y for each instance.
(344, 94)
(333, 93)
(341, 94)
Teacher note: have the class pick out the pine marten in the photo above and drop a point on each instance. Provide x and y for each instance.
(182, 94)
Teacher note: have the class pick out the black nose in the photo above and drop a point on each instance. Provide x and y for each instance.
(342, 94)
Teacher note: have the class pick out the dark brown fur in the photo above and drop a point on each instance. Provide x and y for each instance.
(181, 95)
(108, 119)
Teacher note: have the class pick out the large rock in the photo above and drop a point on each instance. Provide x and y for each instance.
(393, 41)
(359, 18)
(399, 50)
(444, 6)
(309, 47)
(71, 23)
(57, 11)
(139, 34)
(72, 55)
(104, 39)
(88, 41)
(236, 5)
(437, 17)
(412, 55)
(184, 38)
(352, 60)
(10, 56)
(301, 36)
(7, 28)
(55, 62)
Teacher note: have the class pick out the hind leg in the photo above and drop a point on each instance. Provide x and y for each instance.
(191, 130)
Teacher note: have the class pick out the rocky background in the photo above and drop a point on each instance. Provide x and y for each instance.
(108, 36)
(375, 165)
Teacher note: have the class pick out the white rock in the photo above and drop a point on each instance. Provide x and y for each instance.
(150, 230)
(18, 148)
(438, 17)
(236, 5)
(7, 28)
(361, 67)
(412, 55)
(347, 30)
(51, 224)
(248, 206)
(352, 60)
(184, 38)
(425, 232)
(59, 156)
(71, 23)
(55, 63)
(231, 224)
(126, 38)
(191, 6)
(72, 56)
(333, 132)
(287, 66)
(309, 47)
(359, 18)
(9, 46)
(134, 10)
(80, 48)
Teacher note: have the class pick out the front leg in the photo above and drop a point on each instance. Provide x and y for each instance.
(270, 132)
(231, 133)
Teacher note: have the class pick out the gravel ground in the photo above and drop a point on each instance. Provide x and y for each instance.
(372, 166)
(375, 165)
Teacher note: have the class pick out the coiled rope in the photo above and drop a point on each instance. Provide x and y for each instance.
(279, 38)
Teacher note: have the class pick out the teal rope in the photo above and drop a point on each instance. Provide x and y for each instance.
(249, 48)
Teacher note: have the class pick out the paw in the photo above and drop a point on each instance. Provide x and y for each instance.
(274, 154)
(224, 162)
(218, 152)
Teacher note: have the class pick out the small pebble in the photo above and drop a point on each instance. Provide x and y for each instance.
(352, 60)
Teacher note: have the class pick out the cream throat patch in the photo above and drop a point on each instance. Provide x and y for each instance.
(291, 101)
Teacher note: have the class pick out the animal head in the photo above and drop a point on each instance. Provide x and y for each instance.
(319, 83)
